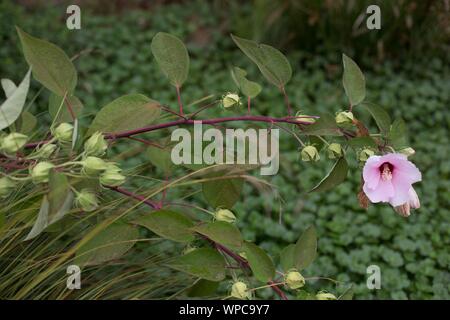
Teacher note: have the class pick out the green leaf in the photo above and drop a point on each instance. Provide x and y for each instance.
(168, 224)
(362, 142)
(324, 126)
(260, 263)
(348, 294)
(8, 86)
(287, 257)
(126, 113)
(221, 232)
(203, 288)
(26, 123)
(305, 249)
(41, 221)
(51, 66)
(11, 108)
(54, 206)
(205, 263)
(223, 192)
(172, 57)
(58, 110)
(248, 88)
(336, 176)
(380, 116)
(354, 81)
(60, 196)
(161, 158)
(270, 61)
(397, 134)
(109, 244)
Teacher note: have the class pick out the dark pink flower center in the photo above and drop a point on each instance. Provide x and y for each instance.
(386, 171)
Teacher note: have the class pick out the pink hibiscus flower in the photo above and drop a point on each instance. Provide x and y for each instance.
(389, 178)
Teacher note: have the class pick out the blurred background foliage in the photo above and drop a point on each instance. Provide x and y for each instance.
(407, 71)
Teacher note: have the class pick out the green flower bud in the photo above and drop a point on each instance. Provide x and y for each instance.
(230, 100)
(40, 172)
(225, 215)
(365, 154)
(322, 295)
(13, 142)
(304, 118)
(294, 280)
(344, 117)
(310, 153)
(93, 166)
(334, 150)
(112, 167)
(86, 200)
(112, 178)
(46, 151)
(408, 151)
(6, 186)
(96, 145)
(239, 291)
(63, 132)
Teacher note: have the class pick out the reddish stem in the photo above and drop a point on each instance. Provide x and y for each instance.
(135, 196)
(286, 100)
(248, 105)
(180, 103)
(70, 108)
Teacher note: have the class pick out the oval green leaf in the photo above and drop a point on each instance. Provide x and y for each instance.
(204, 263)
(11, 108)
(336, 176)
(221, 232)
(223, 192)
(305, 249)
(248, 88)
(260, 263)
(51, 66)
(126, 113)
(59, 111)
(168, 224)
(380, 116)
(172, 57)
(271, 62)
(109, 244)
(354, 81)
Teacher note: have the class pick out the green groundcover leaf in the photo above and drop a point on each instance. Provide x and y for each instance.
(172, 57)
(128, 112)
(168, 224)
(248, 88)
(205, 263)
(354, 81)
(305, 249)
(336, 176)
(221, 232)
(11, 108)
(109, 244)
(51, 66)
(260, 263)
(222, 192)
(271, 62)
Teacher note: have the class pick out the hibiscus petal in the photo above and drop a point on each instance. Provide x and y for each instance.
(401, 191)
(371, 172)
(382, 193)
